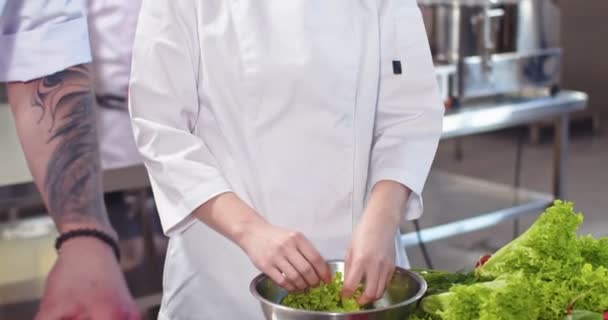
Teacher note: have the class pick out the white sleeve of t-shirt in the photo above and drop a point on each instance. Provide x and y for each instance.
(39, 38)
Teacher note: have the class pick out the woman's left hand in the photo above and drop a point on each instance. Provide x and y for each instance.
(370, 258)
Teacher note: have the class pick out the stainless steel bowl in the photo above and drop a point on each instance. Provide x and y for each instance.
(399, 299)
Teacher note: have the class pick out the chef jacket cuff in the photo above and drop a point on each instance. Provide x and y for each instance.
(414, 206)
(182, 217)
(40, 52)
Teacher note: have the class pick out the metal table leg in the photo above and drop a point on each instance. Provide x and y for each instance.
(560, 156)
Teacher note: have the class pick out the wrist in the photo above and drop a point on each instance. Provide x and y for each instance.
(385, 218)
(83, 225)
(94, 234)
(230, 216)
(85, 243)
(387, 201)
(245, 229)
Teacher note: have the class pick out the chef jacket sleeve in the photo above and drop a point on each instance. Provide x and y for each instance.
(39, 38)
(409, 113)
(164, 106)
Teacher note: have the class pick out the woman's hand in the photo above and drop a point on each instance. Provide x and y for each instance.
(371, 256)
(286, 256)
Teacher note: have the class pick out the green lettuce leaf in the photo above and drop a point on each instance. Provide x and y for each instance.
(591, 285)
(441, 281)
(539, 275)
(594, 251)
(512, 297)
(548, 247)
(325, 297)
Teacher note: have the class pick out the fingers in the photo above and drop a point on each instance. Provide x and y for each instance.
(353, 276)
(279, 279)
(288, 258)
(304, 267)
(385, 280)
(375, 273)
(372, 284)
(314, 258)
(292, 274)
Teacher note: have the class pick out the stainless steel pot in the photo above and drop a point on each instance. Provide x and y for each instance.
(399, 300)
(499, 46)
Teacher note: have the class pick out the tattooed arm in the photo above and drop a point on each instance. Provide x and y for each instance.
(56, 124)
(55, 120)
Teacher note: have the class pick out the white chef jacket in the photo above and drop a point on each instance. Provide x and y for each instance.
(296, 106)
(112, 26)
(39, 38)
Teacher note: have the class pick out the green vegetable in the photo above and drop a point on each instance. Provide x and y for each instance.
(594, 251)
(548, 246)
(442, 281)
(420, 316)
(593, 284)
(325, 297)
(509, 297)
(536, 276)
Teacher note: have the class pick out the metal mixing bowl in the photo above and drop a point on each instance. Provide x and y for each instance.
(399, 299)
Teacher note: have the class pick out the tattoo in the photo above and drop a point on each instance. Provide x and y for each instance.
(72, 180)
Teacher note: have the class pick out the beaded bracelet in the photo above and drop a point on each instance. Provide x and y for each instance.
(103, 237)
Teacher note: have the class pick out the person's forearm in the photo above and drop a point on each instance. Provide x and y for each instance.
(388, 198)
(55, 120)
(229, 216)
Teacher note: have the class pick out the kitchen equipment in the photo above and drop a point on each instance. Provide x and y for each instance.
(498, 46)
(445, 74)
(399, 300)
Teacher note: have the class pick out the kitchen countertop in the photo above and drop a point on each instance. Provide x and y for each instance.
(496, 114)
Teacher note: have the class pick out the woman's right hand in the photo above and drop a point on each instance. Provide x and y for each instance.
(286, 256)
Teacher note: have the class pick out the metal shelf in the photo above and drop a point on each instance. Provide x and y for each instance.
(506, 112)
(457, 204)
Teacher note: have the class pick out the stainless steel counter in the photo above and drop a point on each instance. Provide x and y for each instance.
(491, 115)
(507, 112)
(456, 205)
